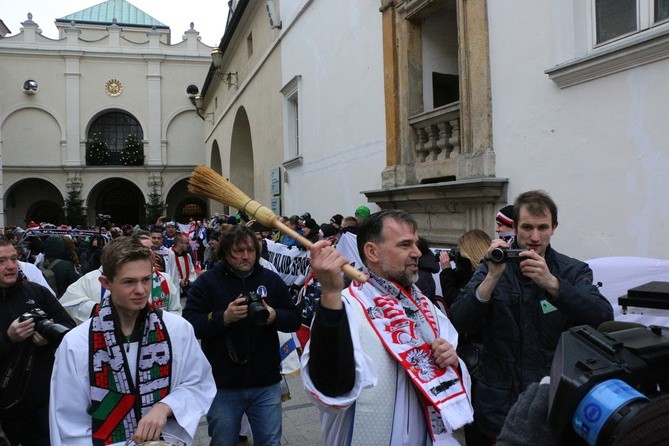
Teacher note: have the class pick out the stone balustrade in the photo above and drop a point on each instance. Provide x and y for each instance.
(436, 143)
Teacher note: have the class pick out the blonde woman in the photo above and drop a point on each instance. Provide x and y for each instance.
(472, 247)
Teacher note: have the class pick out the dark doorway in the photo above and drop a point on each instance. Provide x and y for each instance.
(446, 88)
(45, 211)
(122, 201)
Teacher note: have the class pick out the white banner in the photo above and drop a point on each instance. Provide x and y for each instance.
(348, 246)
(292, 264)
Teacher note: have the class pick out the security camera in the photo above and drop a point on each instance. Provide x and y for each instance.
(192, 91)
(30, 87)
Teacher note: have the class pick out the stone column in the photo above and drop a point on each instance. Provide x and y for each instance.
(475, 93)
(154, 122)
(72, 155)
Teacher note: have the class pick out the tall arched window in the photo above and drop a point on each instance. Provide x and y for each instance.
(113, 128)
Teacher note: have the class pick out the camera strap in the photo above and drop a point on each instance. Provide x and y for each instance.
(233, 354)
(15, 378)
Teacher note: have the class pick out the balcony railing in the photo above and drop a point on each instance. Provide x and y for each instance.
(437, 142)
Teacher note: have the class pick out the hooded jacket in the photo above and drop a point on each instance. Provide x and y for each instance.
(55, 247)
(241, 354)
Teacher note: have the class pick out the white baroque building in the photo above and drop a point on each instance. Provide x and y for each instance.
(113, 72)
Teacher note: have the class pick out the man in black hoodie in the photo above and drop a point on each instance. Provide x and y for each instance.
(58, 258)
(26, 352)
(236, 309)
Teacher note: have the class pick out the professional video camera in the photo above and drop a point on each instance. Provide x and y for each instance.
(103, 220)
(503, 255)
(257, 311)
(599, 381)
(50, 330)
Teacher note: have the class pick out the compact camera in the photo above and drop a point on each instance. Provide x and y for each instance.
(50, 330)
(599, 381)
(453, 253)
(503, 255)
(257, 311)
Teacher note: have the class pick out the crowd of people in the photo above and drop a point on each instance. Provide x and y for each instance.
(156, 327)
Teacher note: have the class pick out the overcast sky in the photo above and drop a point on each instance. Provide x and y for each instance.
(209, 16)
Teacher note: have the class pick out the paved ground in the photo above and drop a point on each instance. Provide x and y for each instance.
(300, 420)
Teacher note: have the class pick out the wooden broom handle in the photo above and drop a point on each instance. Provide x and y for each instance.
(347, 269)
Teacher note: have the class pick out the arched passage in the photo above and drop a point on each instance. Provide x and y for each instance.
(216, 163)
(241, 154)
(183, 205)
(33, 199)
(119, 199)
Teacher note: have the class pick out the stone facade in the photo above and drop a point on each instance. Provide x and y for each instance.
(444, 140)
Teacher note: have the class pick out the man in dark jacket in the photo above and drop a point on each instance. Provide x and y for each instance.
(520, 308)
(27, 346)
(236, 309)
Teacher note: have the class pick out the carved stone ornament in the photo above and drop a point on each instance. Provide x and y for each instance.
(113, 87)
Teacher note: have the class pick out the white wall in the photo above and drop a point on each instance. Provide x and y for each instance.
(337, 49)
(599, 147)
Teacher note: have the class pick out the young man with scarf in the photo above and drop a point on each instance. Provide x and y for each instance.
(243, 351)
(131, 371)
(381, 362)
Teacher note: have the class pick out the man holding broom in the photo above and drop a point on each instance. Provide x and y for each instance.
(381, 363)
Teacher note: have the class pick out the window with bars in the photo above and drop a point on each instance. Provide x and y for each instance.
(114, 128)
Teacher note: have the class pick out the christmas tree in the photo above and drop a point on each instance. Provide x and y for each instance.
(155, 206)
(75, 213)
(97, 151)
(132, 153)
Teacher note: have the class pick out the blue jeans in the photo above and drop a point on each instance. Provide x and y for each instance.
(262, 406)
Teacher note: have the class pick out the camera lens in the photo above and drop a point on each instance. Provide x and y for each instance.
(51, 331)
(605, 408)
(258, 313)
(497, 255)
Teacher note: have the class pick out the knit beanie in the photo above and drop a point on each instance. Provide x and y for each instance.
(337, 219)
(362, 212)
(505, 216)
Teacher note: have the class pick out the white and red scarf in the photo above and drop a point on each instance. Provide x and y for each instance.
(160, 291)
(184, 271)
(406, 326)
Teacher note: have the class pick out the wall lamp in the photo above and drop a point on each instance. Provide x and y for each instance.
(199, 107)
(198, 101)
(229, 78)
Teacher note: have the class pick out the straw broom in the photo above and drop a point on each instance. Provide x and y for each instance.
(205, 182)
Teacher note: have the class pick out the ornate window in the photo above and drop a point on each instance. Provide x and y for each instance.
(113, 128)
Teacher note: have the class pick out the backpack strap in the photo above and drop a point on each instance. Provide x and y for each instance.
(52, 263)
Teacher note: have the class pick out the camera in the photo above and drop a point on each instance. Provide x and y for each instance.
(453, 253)
(599, 381)
(50, 330)
(503, 255)
(257, 311)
